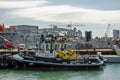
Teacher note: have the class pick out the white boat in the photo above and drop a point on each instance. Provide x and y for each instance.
(113, 58)
(117, 49)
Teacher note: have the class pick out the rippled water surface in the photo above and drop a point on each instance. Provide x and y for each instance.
(108, 72)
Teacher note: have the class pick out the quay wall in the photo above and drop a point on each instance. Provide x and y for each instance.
(81, 51)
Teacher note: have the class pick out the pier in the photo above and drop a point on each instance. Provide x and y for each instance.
(15, 51)
(80, 51)
(108, 51)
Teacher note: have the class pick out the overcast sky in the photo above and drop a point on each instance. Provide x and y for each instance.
(94, 14)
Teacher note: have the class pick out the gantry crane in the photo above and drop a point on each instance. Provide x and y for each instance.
(107, 31)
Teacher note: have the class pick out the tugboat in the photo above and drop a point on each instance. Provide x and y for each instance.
(55, 54)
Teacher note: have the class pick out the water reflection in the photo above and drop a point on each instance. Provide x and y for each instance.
(108, 72)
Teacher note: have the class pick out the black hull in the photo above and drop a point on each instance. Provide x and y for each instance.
(54, 63)
(47, 66)
(41, 66)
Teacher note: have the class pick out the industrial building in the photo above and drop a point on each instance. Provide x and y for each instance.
(116, 34)
(88, 36)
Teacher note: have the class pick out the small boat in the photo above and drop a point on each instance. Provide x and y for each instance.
(56, 55)
(117, 49)
(113, 58)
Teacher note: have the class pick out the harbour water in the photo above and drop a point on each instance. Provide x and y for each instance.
(108, 72)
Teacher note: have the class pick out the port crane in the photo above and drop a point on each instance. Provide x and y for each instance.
(107, 31)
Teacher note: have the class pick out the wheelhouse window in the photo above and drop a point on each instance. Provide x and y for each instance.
(47, 47)
(51, 46)
(55, 46)
(65, 46)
